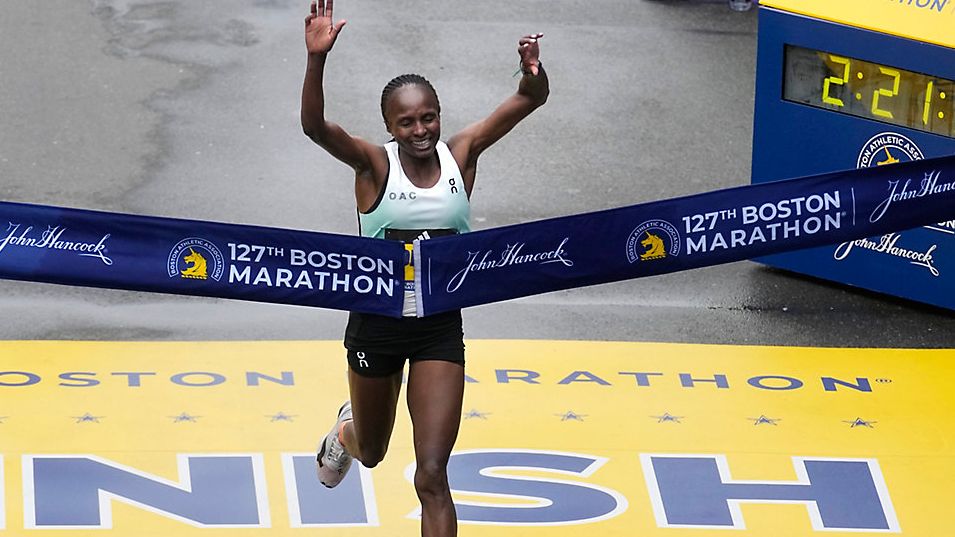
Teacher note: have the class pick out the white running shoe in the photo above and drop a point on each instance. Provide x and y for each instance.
(333, 460)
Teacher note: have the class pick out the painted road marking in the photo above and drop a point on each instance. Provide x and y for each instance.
(557, 438)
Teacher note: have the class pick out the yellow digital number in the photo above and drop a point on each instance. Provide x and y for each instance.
(882, 92)
(928, 101)
(826, 98)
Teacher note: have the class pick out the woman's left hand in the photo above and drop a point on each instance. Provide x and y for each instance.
(529, 49)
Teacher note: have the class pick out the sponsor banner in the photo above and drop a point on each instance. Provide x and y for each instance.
(890, 254)
(557, 438)
(691, 232)
(140, 253)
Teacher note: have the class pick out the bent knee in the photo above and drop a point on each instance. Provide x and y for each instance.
(431, 478)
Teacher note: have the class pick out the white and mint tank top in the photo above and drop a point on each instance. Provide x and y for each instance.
(406, 212)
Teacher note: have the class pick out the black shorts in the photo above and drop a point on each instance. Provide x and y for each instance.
(378, 346)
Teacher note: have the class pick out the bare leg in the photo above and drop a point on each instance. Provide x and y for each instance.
(373, 403)
(435, 394)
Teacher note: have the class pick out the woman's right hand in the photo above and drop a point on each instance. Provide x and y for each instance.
(320, 31)
(529, 49)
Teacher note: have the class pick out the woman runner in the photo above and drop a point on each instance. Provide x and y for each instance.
(413, 187)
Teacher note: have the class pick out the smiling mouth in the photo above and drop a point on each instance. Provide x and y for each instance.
(421, 144)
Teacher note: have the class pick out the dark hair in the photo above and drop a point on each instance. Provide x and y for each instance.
(405, 80)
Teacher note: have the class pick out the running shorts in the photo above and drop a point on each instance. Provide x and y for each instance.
(378, 346)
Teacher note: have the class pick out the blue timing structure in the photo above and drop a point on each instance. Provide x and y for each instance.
(831, 96)
(141, 253)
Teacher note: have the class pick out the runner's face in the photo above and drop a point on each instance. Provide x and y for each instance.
(414, 120)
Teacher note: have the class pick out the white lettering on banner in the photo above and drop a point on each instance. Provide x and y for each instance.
(929, 186)
(782, 209)
(336, 261)
(944, 227)
(769, 222)
(768, 233)
(887, 245)
(313, 280)
(50, 239)
(378, 277)
(478, 261)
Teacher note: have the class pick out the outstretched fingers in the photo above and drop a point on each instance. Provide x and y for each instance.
(322, 9)
(312, 13)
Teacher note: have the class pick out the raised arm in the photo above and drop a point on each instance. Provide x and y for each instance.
(532, 92)
(320, 36)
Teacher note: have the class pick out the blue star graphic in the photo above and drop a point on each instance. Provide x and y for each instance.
(281, 416)
(473, 413)
(763, 420)
(571, 415)
(185, 417)
(87, 418)
(859, 422)
(668, 417)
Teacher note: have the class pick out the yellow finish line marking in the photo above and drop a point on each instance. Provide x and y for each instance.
(557, 438)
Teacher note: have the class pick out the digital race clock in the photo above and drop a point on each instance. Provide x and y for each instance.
(869, 90)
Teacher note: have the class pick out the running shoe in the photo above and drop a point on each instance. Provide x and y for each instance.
(333, 460)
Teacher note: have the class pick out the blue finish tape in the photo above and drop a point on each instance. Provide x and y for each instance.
(683, 233)
(142, 253)
(166, 255)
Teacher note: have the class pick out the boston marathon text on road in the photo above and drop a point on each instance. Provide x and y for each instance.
(518, 377)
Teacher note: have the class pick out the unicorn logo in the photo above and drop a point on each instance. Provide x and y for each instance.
(655, 248)
(653, 239)
(197, 266)
(887, 148)
(195, 259)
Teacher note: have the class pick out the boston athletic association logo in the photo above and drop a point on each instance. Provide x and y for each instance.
(195, 259)
(888, 148)
(652, 240)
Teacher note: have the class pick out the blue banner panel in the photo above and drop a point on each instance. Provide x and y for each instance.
(683, 233)
(166, 255)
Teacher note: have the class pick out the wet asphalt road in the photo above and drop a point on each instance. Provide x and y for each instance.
(190, 109)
